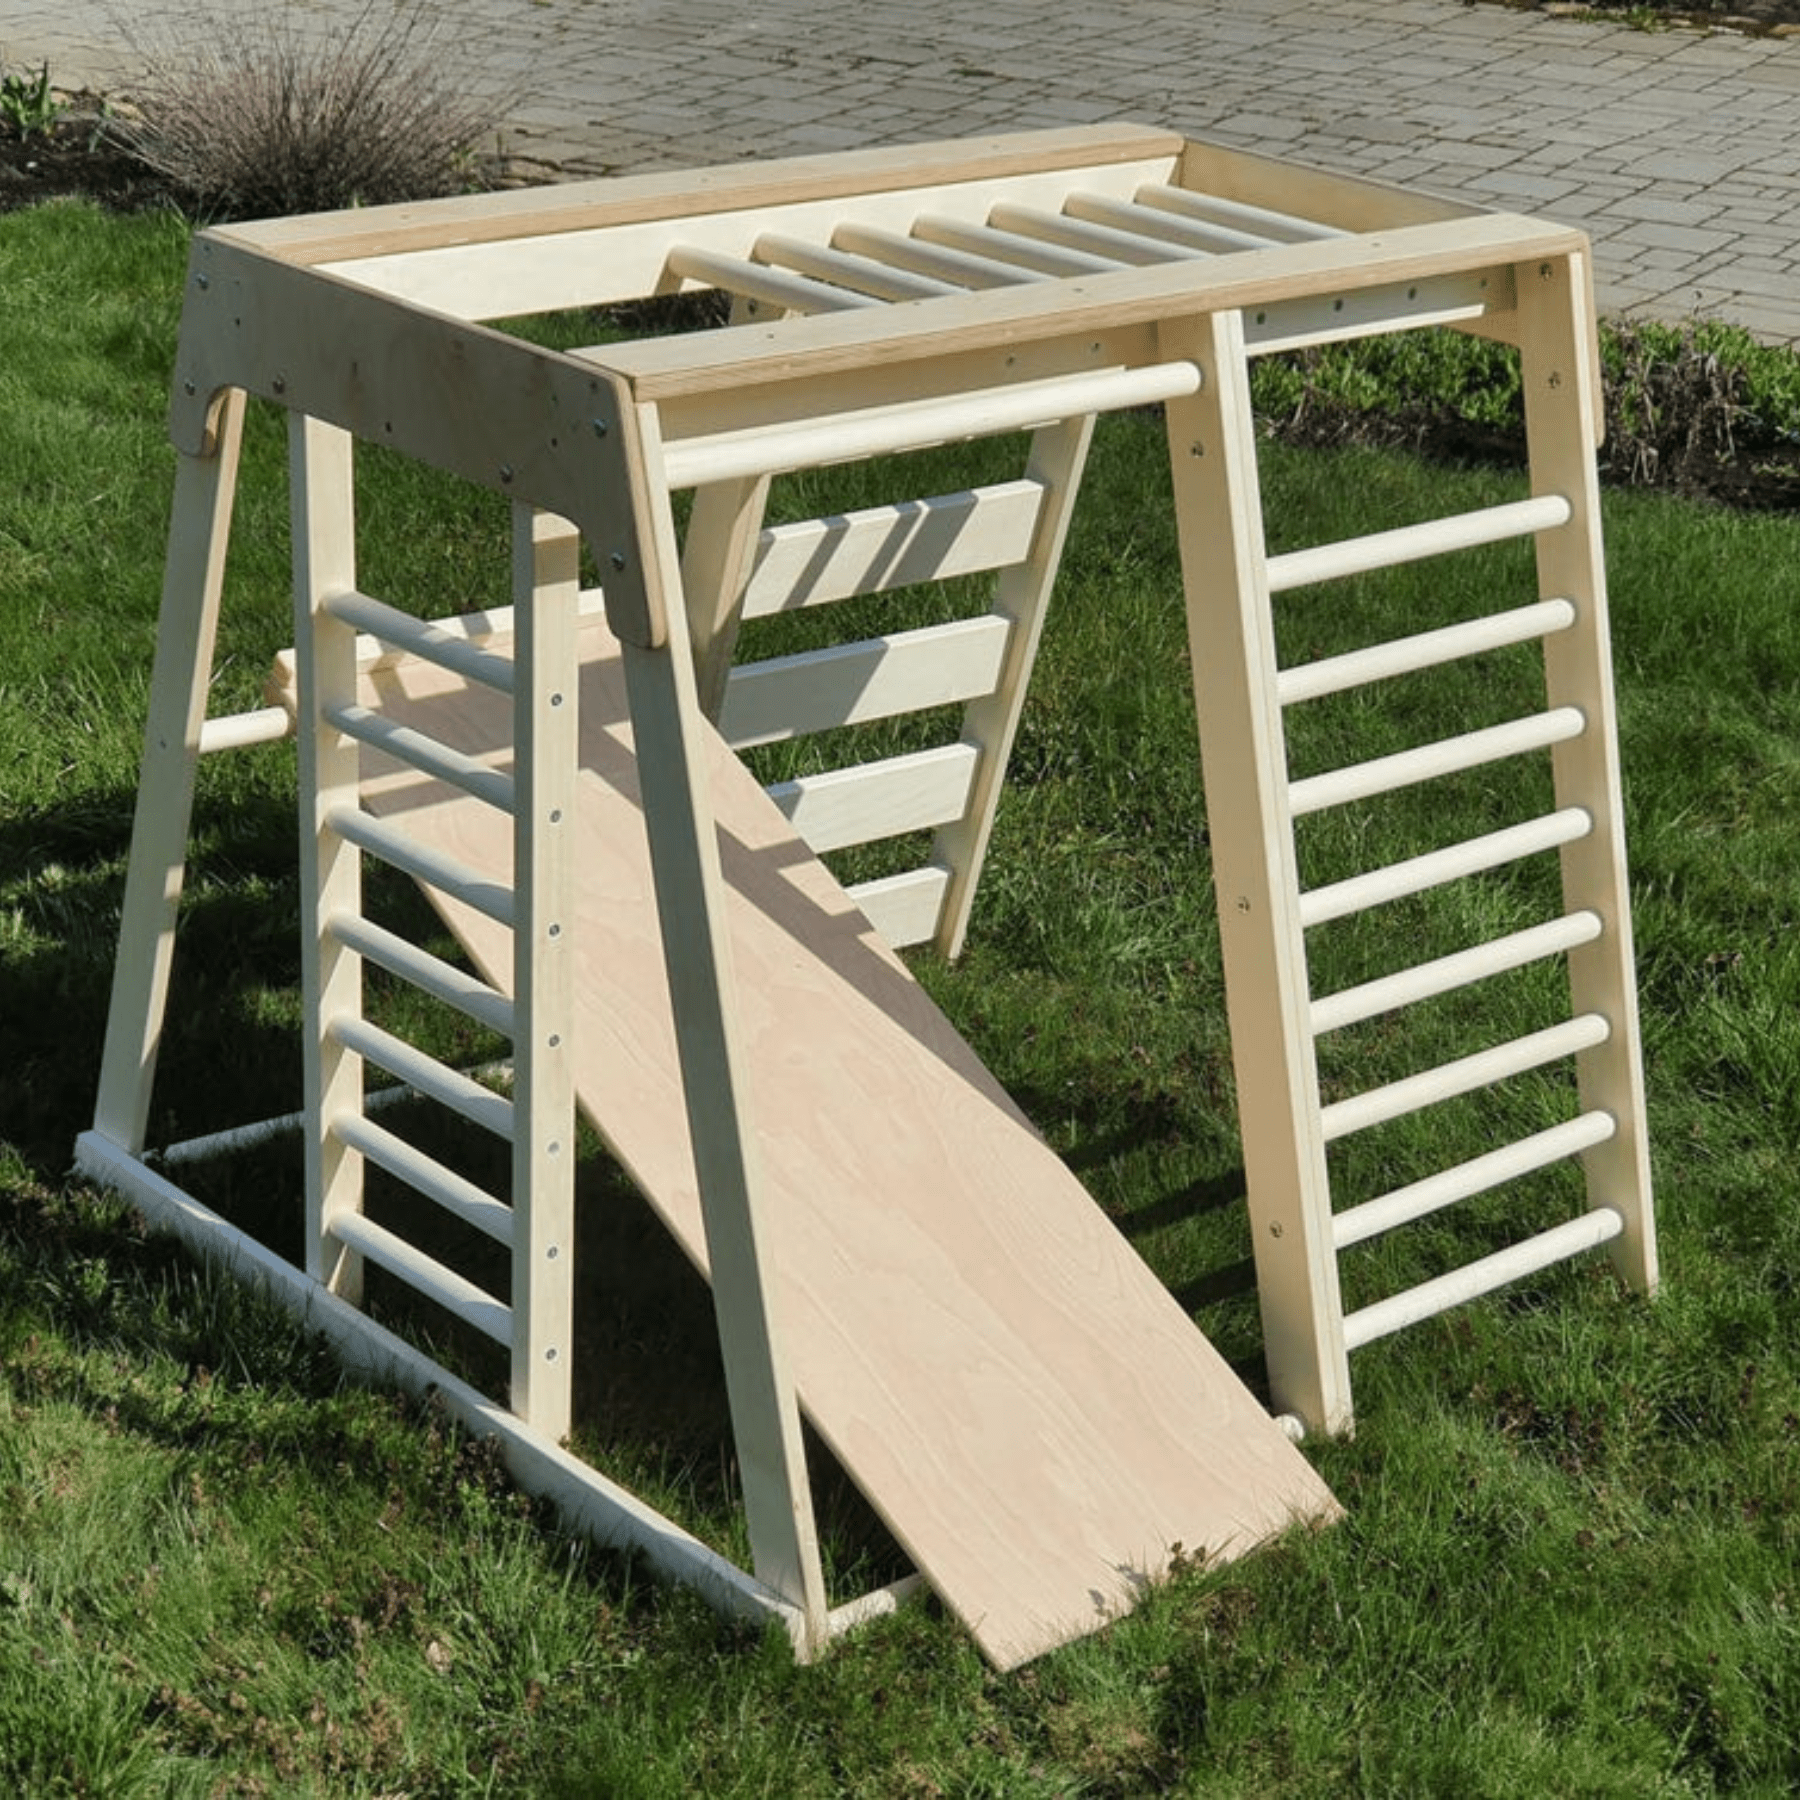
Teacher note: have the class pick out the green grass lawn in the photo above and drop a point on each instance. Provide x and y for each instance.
(1568, 1563)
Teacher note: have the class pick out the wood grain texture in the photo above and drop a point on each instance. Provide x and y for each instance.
(1027, 1407)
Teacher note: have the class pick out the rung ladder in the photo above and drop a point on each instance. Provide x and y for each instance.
(1265, 914)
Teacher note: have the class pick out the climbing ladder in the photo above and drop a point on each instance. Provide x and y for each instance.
(531, 764)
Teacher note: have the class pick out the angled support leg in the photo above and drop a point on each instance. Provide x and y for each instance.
(1022, 598)
(205, 486)
(1218, 507)
(1562, 422)
(670, 736)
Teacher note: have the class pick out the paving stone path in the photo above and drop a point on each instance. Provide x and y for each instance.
(1678, 151)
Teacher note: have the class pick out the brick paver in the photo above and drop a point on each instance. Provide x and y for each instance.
(1675, 149)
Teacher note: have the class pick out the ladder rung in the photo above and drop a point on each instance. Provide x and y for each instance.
(1417, 873)
(1011, 247)
(1331, 1012)
(426, 1075)
(445, 873)
(237, 731)
(431, 974)
(1477, 1176)
(867, 274)
(421, 638)
(1201, 236)
(905, 908)
(1484, 1069)
(1474, 1279)
(1108, 241)
(491, 1317)
(425, 754)
(939, 260)
(757, 281)
(1287, 228)
(1411, 543)
(1425, 650)
(874, 549)
(882, 799)
(1449, 756)
(473, 1205)
(786, 697)
(914, 424)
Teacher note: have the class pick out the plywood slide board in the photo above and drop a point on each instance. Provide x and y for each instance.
(1022, 1401)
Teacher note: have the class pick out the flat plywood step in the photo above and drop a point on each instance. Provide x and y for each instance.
(1021, 1400)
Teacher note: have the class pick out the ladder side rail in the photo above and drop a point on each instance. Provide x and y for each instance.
(322, 482)
(668, 729)
(546, 966)
(1562, 414)
(186, 631)
(991, 722)
(1212, 451)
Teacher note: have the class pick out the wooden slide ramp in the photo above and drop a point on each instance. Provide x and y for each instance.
(1031, 1413)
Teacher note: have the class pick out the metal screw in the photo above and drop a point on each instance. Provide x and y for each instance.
(600, 428)
(506, 473)
(203, 282)
(1274, 1231)
(279, 384)
(617, 559)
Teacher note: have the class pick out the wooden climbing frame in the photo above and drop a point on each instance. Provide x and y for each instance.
(882, 302)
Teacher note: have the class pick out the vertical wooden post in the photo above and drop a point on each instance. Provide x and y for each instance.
(321, 476)
(670, 736)
(1218, 508)
(1022, 598)
(1563, 425)
(187, 626)
(546, 675)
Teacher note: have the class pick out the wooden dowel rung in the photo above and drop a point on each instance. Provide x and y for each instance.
(432, 975)
(1011, 247)
(445, 873)
(1130, 248)
(425, 754)
(1398, 880)
(1449, 756)
(426, 1076)
(1445, 974)
(1201, 236)
(963, 267)
(914, 424)
(237, 731)
(1474, 1279)
(426, 1175)
(1449, 1080)
(881, 280)
(422, 638)
(425, 1274)
(1424, 650)
(1260, 222)
(757, 281)
(1412, 543)
(1477, 1176)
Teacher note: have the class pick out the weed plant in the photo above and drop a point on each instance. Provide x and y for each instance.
(255, 115)
(1567, 1564)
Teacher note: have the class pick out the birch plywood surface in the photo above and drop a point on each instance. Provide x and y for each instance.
(1018, 1396)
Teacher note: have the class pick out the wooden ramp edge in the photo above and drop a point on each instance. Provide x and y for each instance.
(1021, 1400)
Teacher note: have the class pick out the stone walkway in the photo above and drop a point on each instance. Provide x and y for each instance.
(1678, 151)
